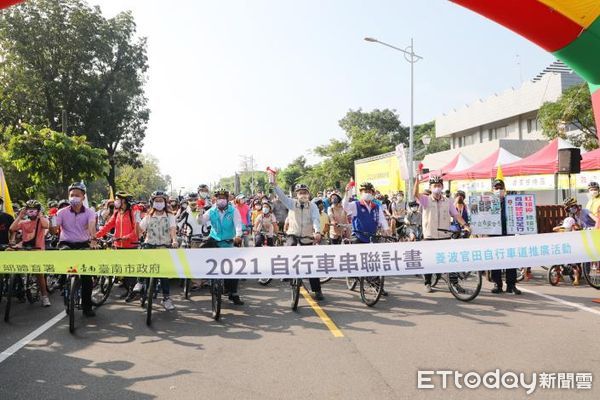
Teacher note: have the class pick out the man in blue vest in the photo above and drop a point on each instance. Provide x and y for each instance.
(367, 216)
(226, 230)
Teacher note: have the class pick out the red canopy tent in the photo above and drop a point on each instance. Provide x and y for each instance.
(590, 160)
(544, 161)
(485, 168)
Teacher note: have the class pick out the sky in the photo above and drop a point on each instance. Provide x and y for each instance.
(272, 78)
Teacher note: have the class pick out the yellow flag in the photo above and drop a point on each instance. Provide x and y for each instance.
(8, 208)
(111, 195)
(499, 174)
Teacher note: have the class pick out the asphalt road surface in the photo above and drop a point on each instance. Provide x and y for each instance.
(343, 350)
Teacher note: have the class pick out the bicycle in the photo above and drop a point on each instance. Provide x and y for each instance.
(591, 273)
(371, 288)
(557, 272)
(296, 283)
(464, 286)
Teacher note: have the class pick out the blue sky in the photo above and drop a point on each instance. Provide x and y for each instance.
(272, 77)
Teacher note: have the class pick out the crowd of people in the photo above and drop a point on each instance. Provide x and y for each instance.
(224, 219)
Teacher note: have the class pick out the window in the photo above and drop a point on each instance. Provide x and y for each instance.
(502, 132)
(491, 135)
(532, 125)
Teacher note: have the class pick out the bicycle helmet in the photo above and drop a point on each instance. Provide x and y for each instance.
(158, 193)
(192, 196)
(366, 186)
(77, 185)
(460, 193)
(124, 196)
(63, 203)
(436, 179)
(301, 186)
(202, 187)
(221, 192)
(335, 194)
(498, 182)
(33, 204)
(593, 185)
(52, 204)
(413, 204)
(570, 202)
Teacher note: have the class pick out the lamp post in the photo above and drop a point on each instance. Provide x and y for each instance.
(412, 58)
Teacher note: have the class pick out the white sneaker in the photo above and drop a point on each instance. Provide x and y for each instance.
(138, 287)
(168, 304)
(46, 301)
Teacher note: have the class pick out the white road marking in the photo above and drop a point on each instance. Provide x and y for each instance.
(561, 301)
(32, 336)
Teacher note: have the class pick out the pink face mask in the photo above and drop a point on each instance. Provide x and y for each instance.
(32, 213)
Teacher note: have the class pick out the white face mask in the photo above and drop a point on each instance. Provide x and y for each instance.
(367, 197)
(222, 203)
(117, 204)
(414, 209)
(436, 190)
(498, 192)
(74, 200)
(266, 210)
(158, 206)
(592, 194)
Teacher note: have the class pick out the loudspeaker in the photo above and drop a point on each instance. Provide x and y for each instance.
(569, 161)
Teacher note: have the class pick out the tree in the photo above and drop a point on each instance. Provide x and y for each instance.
(141, 181)
(63, 56)
(573, 109)
(436, 145)
(260, 182)
(51, 160)
(291, 175)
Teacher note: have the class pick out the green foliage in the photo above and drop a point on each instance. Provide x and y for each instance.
(573, 108)
(64, 56)
(49, 161)
(141, 181)
(260, 182)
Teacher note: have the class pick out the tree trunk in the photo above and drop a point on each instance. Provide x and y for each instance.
(111, 174)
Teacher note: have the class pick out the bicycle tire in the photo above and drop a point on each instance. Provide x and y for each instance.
(586, 269)
(9, 295)
(264, 281)
(466, 297)
(31, 289)
(435, 279)
(325, 280)
(295, 284)
(187, 285)
(370, 281)
(216, 292)
(554, 275)
(73, 288)
(149, 299)
(104, 284)
(351, 283)
(521, 274)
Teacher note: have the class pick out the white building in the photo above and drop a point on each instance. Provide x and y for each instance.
(507, 119)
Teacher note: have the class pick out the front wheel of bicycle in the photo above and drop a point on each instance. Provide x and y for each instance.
(73, 290)
(102, 285)
(464, 286)
(371, 288)
(10, 290)
(351, 283)
(296, 283)
(216, 292)
(591, 273)
(325, 280)
(149, 299)
(264, 281)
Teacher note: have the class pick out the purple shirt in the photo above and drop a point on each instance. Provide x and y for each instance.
(424, 202)
(74, 227)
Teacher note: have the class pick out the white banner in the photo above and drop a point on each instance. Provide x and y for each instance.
(401, 154)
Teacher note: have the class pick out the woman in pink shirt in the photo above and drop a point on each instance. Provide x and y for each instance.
(33, 226)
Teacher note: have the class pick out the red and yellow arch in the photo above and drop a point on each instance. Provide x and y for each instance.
(569, 29)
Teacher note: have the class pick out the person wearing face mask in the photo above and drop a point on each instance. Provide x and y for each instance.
(398, 212)
(303, 221)
(367, 216)
(583, 218)
(461, 207)
(437, 211)
(324, 219)
(593, 204)
(6, 221)
(413, 222)
(265, 227)
(123, 221)
(338, 219)
(511, 273)
(160, 227)
(33, 226)
(244, 210)
(225, 224)
(204, 200)
(76, 226)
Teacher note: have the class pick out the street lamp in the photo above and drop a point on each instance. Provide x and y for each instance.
(412, 58)
(426, 140)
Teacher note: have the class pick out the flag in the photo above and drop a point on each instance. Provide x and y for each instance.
(111, 195)
(8, 208)
(86, 204)
(499, 174)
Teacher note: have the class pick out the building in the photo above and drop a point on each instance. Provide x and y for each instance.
(504, 120)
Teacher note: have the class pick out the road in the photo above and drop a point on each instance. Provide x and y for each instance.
(263, 350)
